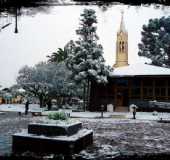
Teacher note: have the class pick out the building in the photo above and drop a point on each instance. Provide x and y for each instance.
(130, 83)
(9, 97)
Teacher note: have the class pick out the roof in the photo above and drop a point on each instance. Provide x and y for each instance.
(140, 69)
(122, 24)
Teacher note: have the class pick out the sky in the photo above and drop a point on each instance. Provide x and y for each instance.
(44, 32)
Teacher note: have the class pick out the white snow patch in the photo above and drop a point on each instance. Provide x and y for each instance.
(140, 69)
(19, 108)
(74, 137)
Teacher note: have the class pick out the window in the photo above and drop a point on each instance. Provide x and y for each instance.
(148, 92)
(120, 46)
(157, 92)
(148, 83)
(163, 92)
(123, 46)
(160, 83)
(136, 83)
(169, 92)
(160, 91)
(121, 82)
(135, 92)
(168, 83)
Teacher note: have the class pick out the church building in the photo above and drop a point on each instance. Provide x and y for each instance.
(130, 83)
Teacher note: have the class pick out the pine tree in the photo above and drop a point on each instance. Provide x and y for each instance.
(155, 42)
(86, 58)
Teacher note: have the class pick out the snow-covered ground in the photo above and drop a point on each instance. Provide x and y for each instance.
(19, 108)
(112, 115)
(126, 137)
(114, 134)
(121, 115)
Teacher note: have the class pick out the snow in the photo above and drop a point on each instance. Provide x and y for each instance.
(116, 133)
(140, 69)
(19, 108)
(48, 122)
(79, 134)
(126, 116)
(103, 151)
(87, 54)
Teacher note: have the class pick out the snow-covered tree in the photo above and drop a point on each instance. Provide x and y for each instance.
(36, 80)
(46, 81)
(86, 58)
(155, 41)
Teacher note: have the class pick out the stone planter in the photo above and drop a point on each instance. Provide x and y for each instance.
(53, 129)
(52, 138)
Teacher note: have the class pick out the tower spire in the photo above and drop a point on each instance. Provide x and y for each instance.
(122, 45)
(122, 24)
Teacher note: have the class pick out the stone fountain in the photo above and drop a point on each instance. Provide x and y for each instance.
(52, 138)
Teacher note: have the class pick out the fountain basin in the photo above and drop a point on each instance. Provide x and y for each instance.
(23, 142)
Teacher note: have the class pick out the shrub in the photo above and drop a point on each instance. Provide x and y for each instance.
(58, 116)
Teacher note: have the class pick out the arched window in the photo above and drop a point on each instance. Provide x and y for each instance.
(120, 46)
(123, 46)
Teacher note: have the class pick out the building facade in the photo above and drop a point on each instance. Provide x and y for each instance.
(130, 84)
(121, 46)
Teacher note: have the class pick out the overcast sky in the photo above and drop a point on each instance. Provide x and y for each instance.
(43, 33)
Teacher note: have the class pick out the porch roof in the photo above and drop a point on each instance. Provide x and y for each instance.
(140, 69)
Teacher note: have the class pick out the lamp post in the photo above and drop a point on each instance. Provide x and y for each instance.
(16, 21)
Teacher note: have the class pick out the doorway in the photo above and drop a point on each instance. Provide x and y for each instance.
(122, 100)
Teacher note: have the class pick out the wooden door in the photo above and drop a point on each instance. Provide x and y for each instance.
(121, 100)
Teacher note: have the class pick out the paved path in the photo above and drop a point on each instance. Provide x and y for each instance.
(10, 123)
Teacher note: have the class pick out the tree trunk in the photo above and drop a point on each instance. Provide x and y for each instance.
(41, 101)
(88, 92)
(84, 96)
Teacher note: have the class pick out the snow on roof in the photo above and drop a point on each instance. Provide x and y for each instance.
(140, 69)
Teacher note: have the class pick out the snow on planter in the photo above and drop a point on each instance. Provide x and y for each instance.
(52, 138)
(53, 129)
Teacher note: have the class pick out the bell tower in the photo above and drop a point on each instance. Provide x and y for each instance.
(121, 45)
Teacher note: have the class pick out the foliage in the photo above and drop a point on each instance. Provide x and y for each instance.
(58, 56)
(61, 54)
(36, 80)
(86, 59)
(47, 80)
(58, 116)
(155, 41)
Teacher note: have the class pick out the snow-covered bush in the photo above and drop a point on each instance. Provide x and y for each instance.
(154, 113)
(58, 116)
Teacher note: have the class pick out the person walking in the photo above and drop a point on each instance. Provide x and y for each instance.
(49, 104)
(26, 107)
(134, 111)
